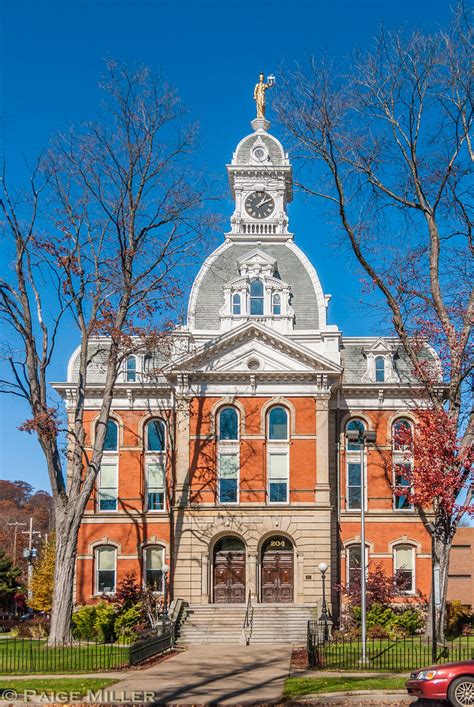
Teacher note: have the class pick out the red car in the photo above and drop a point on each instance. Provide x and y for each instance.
(450, 681)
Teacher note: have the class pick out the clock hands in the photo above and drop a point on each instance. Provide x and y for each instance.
(264, 201)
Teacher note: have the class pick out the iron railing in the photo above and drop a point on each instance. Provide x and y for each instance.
(248, 620)
(152, 645)
(413, 652)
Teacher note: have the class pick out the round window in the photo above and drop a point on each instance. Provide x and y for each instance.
(259, 153)
(253, 364)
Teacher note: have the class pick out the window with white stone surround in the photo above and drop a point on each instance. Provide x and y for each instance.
(380, 363)
(258, 294)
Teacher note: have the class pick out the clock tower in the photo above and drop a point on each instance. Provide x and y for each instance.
(261, 183)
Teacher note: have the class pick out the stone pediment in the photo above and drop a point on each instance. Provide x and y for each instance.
(253, 348)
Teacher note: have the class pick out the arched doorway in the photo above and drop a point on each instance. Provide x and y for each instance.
(229, 571)
(277, 575)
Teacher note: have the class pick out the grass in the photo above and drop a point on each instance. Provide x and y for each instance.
(407, 654)
(297, 687)
(25, 656)
(81, 686)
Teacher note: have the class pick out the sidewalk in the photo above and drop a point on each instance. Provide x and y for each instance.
(212, 673)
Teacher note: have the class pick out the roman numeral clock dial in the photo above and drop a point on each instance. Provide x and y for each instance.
(259, 204)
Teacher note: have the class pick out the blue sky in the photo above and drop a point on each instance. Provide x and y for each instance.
(53, 55)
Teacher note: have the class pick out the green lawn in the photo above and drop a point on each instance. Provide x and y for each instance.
(297, 687)
(391, 656)
(25, 656)
(77, 685)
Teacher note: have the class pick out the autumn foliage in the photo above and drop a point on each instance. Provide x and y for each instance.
(440, 469)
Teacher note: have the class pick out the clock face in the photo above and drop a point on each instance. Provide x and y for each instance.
(259, 204)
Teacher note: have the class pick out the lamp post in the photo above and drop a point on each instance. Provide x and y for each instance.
(325, 617)
(165, 569)
(363, 438)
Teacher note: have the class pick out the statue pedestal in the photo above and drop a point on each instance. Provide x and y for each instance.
(260, 124)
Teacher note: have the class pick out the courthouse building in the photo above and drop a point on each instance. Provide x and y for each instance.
(227, 458)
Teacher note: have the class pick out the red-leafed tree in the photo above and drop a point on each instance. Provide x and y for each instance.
(97, 247)
(385, 142)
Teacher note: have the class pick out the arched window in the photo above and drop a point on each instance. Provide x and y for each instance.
(404, 567)
(228, 455)
(153, 556)
(278, 456)
(402, 457)
(354, 565)
(354, 425)
(276, 304)
(379, 369)
(278, 424)
(228, 424)
(155, 436)
(155, 465)
(236, 304)
(131, 369)
(107, 480)
(111, 437)
(256, 297)
(401, 435)
(353, 468)
(105, 561)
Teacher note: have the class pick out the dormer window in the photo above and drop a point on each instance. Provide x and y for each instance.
(236, 305)
(276, 305)
(256, 298)
(379, 369)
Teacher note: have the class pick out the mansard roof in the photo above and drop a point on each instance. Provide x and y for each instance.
(222, 266)
(354, 358)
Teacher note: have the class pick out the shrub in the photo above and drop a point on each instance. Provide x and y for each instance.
(127, 623)
(38, 627)
(105, 615)
(129, 593)
(457, 617)
(377, 631)
(83, 623)
(409, 621)
(379, 615)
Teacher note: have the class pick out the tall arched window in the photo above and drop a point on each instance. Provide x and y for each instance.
(404, 567)
(354, 565)
(111, 437)
(155, 465)
(379, 369)
(131, 369)
(108, 473)
(228, 455)
(276, 304)
(278, 424)
(256, 297)
(105, 576)
(236, 304)
(353, 468)
(278, 463)
(155, 436)
(228, 424)
(153, 560)
(402, 456)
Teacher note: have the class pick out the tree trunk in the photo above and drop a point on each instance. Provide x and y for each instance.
(67, 527)
(442, 550)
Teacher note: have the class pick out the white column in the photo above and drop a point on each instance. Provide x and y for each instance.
(322, 451)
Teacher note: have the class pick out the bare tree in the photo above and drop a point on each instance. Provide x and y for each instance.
(97, 249)
(386, 143)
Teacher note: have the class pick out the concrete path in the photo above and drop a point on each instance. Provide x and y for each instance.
(209, 673)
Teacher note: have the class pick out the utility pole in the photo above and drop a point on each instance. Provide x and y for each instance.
(15, 534)
(29, 554)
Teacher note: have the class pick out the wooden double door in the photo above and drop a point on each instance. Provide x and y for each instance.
(229, 573)
(277, 572)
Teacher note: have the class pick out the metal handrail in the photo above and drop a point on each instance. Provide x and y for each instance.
(248, 620)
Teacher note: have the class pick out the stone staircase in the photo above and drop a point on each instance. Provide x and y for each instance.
(223, 623)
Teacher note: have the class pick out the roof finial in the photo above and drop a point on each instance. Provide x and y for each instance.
(259, 93)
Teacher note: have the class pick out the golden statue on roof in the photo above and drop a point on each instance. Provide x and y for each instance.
(259, 93)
